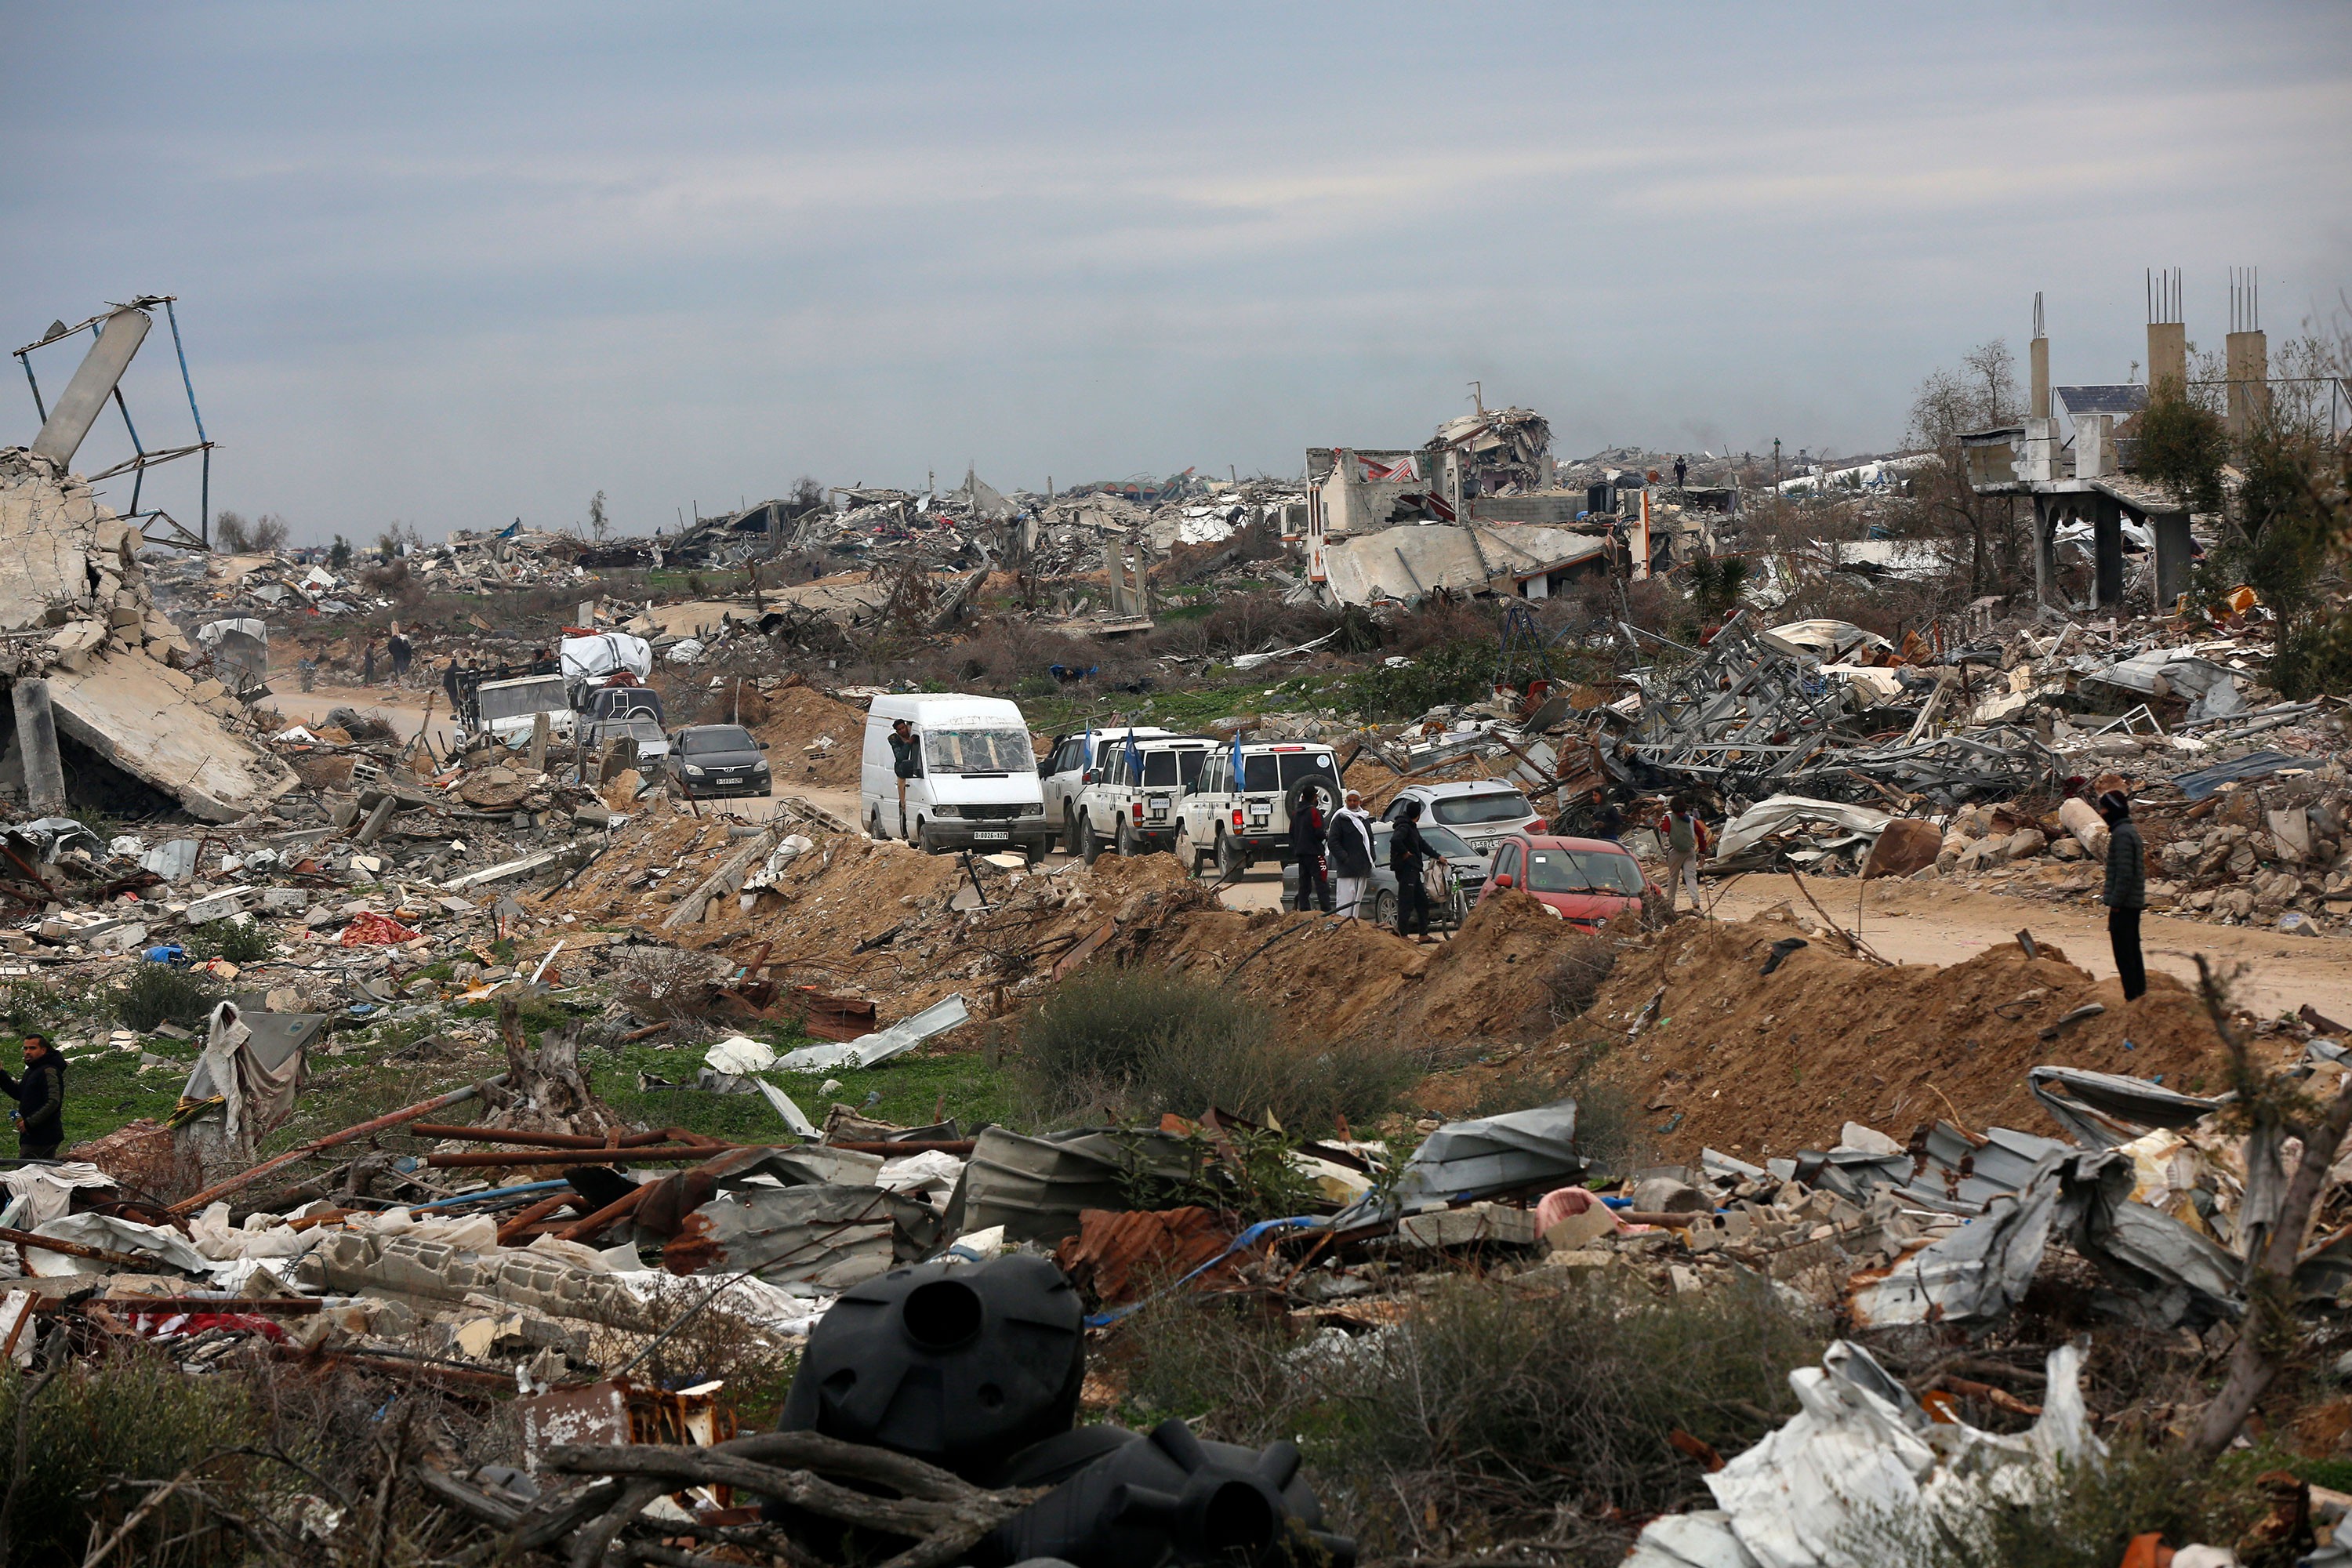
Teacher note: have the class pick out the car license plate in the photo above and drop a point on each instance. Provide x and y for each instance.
(990, 834)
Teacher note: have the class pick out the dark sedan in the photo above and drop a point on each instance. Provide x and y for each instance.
(711, 760)
(1470, 871)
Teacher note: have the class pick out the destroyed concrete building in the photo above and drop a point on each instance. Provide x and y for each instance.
(112, 702)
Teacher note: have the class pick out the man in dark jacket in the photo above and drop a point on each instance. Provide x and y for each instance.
(1306, 852)
(40, 1097)
(906, 762)
(1407, 855)
(2125, 893)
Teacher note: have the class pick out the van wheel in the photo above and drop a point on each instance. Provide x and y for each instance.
(1232, 864)
(925, 839)
(1127, 846)
(1089, 846)
(1188, 854)
(1069, 835)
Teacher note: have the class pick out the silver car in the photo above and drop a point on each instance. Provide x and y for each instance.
(1483, 812)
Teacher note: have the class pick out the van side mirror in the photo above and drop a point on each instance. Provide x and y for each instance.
(1505, 881)
(763, 745)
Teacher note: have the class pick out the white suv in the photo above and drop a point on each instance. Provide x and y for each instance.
(1244, 819)
(1132, 802)
(1067, 770)
(1482, 812)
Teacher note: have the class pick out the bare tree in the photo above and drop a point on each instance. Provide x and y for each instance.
(270, 531)
(231, 532)
(1949, 405)
(597, 521)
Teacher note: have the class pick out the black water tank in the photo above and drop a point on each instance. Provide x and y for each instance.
(1141, 1503)
(958, 1365)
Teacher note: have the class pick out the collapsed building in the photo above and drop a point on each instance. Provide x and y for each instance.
(110, 699)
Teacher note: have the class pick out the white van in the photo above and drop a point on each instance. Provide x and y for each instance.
(978, 788)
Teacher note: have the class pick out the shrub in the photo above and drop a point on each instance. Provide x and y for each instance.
(132, 1415)
(2088, 1515)
(1460, 671)
(1144, 1041)
(1493, 1409)
(159, 993)
(237, 940)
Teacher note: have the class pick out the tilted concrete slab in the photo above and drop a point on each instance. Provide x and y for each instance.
(146, 719)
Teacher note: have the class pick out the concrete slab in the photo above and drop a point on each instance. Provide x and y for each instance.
(145, 719)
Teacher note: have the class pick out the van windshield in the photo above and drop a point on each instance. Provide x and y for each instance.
(978, 752)
(1270, 771)
(514, 699)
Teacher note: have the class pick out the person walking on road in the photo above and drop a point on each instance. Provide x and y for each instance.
(1306, 851)
(40, 1097)
(1682, 470)
(2125, 893)
(906, 762)
(1347, 839)
(1407, 855)
(1685, 837)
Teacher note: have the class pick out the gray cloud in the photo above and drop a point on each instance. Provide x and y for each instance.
(456, 265)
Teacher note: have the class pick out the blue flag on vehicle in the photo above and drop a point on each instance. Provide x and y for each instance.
(1237, 762)
(1134, 759)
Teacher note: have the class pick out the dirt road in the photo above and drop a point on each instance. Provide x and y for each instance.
(1942, 923)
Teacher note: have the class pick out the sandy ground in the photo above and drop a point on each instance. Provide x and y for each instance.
(1939, 922)
(403, 706)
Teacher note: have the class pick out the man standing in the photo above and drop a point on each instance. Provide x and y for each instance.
(1681, 469)
(40, 1097)
(1407, 855)
(907, 761)
(1685, 837)
(1307, 836)
(2125, 893)
(1348, 838)
(1608, 818)
(397, 646)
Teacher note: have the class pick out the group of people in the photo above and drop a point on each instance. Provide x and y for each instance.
(1334, 856)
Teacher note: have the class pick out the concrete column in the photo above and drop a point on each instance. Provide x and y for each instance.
(2248, 356)
(2044, 564)
(36, 741)
(2038, 356)
(2168, 355)
(2107, 549)
(539, 737)
(2174, 548)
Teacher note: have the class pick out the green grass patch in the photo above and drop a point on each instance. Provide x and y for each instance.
(910, 1089)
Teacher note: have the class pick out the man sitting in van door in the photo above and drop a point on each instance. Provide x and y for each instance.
(906, 761)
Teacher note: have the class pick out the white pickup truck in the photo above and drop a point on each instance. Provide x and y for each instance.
(1240, 818)
(1133, 797)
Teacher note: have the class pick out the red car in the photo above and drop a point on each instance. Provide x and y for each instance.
(1585, 881)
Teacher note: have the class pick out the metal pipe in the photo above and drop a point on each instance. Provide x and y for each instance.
(142, 1262)
(476, 1159)
(540, 1140)
(350, 1134)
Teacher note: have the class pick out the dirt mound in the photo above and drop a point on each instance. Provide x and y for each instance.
(800, 718)
(1351, 979)
(1756, 1064)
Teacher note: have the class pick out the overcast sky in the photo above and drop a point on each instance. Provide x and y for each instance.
(456, 264)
